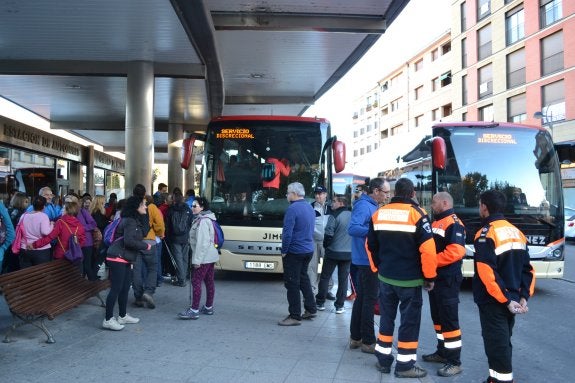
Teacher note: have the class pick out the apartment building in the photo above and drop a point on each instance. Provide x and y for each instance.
(397, 112)
(503, 60)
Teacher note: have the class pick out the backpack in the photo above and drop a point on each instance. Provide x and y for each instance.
(3, 232)
(110, 231)
(180, 220)
(218, 235)
(268, 171)
(74, 253)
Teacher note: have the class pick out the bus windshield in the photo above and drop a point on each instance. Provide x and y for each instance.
(520, 161)
(238, 153)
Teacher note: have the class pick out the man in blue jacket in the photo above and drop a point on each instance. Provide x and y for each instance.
(53, 211)
(297, 251)
(361, 326)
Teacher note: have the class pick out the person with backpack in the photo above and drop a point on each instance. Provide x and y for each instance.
(64, 228)
(204, 256)
(178, 224)
(130, 230)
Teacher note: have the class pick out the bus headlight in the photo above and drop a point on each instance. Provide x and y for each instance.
(555, 255)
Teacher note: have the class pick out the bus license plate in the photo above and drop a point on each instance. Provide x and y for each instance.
(260, 265)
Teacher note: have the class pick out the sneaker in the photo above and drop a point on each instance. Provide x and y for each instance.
(339, 310)
(207, 311)
(320, 306)
(189, 314)
(382, 369)
(368, 348)
(149, 300)
(434, 358)
(112, 324)
(127, 319)
(414, 372)
(289, 321)
(353, 344)
(330, 297)
(449, 370)
(308, 315)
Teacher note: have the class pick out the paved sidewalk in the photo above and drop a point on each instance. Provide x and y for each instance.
(241, 342)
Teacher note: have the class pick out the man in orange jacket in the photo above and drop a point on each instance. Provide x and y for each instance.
(402, 251)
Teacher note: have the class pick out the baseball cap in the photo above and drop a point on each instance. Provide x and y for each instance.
(320, 189)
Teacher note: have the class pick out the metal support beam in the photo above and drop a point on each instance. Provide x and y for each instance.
(269, 100)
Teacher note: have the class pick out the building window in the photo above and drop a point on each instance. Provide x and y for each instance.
(362, 131)
(464, 116)
(464, 90)
(434, 54)
(446, 110)
(517, 108)
(384, 87)
(485, 81)
(463, 16)
(464, 52)
(384, 134)
(553, 101)
(418, 120)
(355, 134)
(515, 25)
(384, 111)
(484, 42)
(435, 84)
(396, 130)
(445, 79)
(375, 146)
(446, 48)
(434, 114)
(418, 92)
(368, 148)
(516, 68)
(355, 153)
(550, 12)
(368, 129)
(361, 151)
(418, 65)
(552, 53)
(395, 105)
(486, 113)
(483, 9)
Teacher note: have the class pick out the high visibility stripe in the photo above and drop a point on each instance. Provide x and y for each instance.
(394, 227)
(453, 344)
(438, 231)
(439, 336)
(500, 376)
(385, 338)
(452, 334)
(406, 358)
(372, 264)
(509, 246)
(408, 345)
(383, 350)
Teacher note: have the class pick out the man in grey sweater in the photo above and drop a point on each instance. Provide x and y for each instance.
(337, 244)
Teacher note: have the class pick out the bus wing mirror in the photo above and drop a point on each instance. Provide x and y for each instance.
(438, 153)
(338, 150)
(187, 152)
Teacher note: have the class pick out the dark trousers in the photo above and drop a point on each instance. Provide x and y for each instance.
(34, 257)
(145, 278)
(296, 280)
(361, 325)
(90, 267)
(496, 328)
(120, 279)
(327, 269)
(409, 300)
(444, 306)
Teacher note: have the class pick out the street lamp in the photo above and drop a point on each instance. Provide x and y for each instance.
(546, 119)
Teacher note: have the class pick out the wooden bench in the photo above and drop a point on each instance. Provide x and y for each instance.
(45, 291)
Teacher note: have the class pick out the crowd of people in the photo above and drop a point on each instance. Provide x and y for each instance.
(395, 252)
(385, 247)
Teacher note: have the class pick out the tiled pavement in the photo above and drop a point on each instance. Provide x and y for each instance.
(241, 342)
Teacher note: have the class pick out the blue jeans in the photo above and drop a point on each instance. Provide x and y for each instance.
(145, 277)
(296, 279)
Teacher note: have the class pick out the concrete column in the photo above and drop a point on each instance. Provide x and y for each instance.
(140, 126)
(175, 171)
